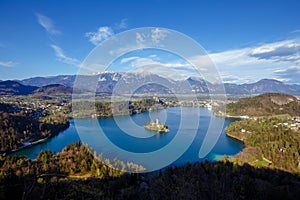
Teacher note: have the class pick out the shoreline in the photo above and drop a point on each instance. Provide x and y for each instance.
(234, 137)
(236, 117)
(36, 142)
(29, 145)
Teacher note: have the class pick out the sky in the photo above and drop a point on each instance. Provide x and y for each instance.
(247, 40)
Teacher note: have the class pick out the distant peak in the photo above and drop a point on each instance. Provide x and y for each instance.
(196, 78)
(10, 83)
(268, 81)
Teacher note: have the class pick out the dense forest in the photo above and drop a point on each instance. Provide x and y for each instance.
(269, 141)
(20, 125)
(265, 104)
(76, 173)
(272, 134)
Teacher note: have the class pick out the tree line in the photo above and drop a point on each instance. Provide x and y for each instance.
(76, 173)
(107, 108)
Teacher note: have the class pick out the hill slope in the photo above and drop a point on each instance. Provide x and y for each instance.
(14, 88)
(265, 104)
(54, 89)
(66, 80)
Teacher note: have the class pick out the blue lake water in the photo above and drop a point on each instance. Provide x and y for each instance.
(113, 136)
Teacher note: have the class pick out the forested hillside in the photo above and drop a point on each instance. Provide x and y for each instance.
(21, 126)
(76, 173)
(269, 142)
(108, 108)
(265, 104)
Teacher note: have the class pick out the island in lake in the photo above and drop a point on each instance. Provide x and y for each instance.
(157, 126)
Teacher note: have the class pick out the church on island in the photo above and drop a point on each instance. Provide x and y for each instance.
(157, 126)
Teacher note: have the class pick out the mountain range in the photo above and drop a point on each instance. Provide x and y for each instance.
(13, 88)
(143, 82)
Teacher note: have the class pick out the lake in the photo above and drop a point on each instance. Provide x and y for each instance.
(114, 137)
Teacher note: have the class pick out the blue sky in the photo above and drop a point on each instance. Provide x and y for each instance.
(247, 40)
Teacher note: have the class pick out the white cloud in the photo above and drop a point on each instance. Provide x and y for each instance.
(288, 50)
(123, 24)
(174, 69)
(295, 31)
(153, 56)
(125, 60)
(103, 33)
(158, 35)
(229, 78)
(284, 51)
(258, 62)
(47, 24)
(63, 58)
(140, 38)
(234, 66)
(289, 75)
(141, 62)
(8, 63)
(138, 62)
(236, 58)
